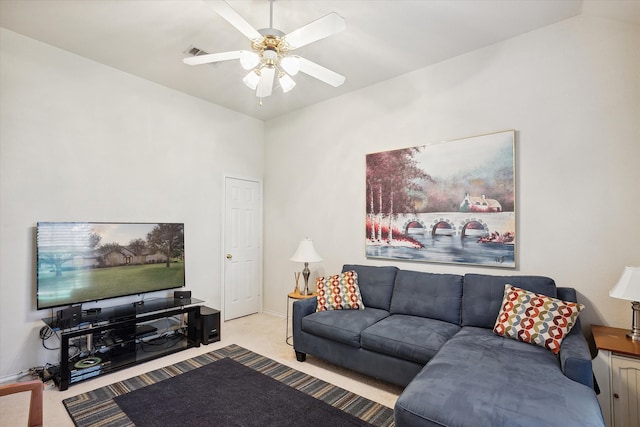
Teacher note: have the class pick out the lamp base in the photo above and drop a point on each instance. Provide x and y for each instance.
(634, 337)
(305, 273)
(634, 334)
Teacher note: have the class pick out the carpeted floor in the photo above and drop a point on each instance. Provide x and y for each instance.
(98, 408)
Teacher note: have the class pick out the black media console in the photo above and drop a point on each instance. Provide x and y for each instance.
(119, 337)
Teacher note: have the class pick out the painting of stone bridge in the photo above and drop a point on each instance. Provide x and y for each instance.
(450, 202)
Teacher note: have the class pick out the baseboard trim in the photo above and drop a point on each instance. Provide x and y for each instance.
(274, 313)
(12, 378)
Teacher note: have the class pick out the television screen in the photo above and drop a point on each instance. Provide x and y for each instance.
(90, 261)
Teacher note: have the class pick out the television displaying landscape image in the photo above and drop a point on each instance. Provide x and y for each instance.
(91, 261)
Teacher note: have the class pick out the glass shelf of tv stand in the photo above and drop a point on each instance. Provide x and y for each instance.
(122, 312)
(123, 336)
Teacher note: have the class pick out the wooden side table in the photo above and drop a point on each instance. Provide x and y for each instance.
(617, 369)
(295, 295)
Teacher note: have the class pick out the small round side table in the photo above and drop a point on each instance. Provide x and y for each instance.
(295, 295)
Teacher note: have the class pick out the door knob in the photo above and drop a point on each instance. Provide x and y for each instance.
(229, 256)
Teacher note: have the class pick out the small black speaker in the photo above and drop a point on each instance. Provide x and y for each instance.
(182, 294)
(69, 317)
(208, 325)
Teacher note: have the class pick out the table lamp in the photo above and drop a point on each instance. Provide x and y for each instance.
(306, 253)
(628, 287)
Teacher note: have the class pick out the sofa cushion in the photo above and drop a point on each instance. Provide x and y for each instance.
(481, 379)
(408, 337)
(535, 319)
(376, 284)
(482, 295)
(436, 296)
(339, 292)
(343, 326)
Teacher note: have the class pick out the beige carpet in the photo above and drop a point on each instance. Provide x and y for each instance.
(261, 333)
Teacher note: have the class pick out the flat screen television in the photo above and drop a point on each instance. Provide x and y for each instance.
(90, 261)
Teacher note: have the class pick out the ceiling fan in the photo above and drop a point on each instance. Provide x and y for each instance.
(270, 55)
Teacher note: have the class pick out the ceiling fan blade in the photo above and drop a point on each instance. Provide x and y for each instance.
(265, 85)
(212, 57)
(232, 17)
(320, 28)
(319, 72)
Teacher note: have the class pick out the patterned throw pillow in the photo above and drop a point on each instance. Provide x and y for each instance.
(339, 292)
(535, 319)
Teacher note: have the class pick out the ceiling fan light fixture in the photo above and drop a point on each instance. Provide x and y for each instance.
(269, 57)
(286, 82)
(291, 64)
(249, 59)
(251, 80)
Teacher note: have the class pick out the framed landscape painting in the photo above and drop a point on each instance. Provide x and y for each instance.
(450, 202)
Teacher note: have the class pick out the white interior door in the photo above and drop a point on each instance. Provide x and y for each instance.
(242, 248)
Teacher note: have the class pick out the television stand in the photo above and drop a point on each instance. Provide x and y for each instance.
(119, 337)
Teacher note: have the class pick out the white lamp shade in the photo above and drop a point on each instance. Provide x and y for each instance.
(249, 59)
(291, 64)
(286, 83)
(251, 80)
(628, 287)
(306, 252)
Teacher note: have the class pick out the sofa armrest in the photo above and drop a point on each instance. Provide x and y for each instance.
(575, 357)
(301, 308)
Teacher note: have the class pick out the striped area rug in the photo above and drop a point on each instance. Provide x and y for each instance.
(97, 408)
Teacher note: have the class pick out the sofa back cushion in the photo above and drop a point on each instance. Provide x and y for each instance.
(435, 296)
(376, 284)
(482, 295)
(567, 294)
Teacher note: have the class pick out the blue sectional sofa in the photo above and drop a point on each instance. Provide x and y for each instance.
(433, 334)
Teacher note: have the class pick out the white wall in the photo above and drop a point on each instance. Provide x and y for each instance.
(83, 142)
(571, 90)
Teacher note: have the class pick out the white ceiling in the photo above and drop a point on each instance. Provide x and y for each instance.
(384, 39)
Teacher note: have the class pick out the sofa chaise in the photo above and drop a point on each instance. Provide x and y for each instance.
(433, 334)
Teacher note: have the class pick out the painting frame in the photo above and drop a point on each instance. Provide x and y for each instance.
(451, 202)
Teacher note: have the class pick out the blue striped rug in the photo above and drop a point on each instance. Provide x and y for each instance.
(97, 408)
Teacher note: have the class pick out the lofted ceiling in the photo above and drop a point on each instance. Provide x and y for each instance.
(384, 39)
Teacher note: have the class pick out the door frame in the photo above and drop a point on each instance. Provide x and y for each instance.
(223, 236)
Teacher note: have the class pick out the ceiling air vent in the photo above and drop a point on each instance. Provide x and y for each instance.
(194, 51)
